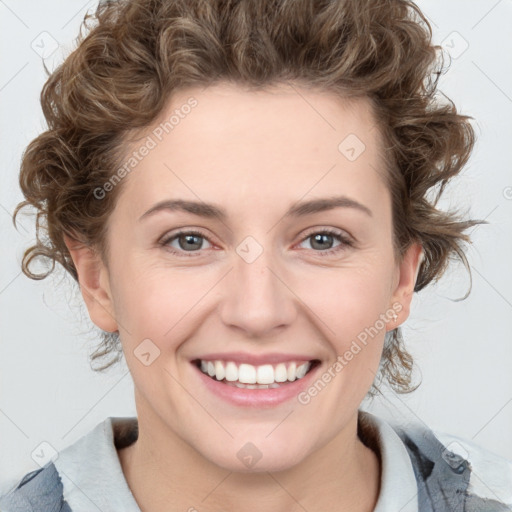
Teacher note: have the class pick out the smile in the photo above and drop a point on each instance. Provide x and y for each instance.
(244, 375)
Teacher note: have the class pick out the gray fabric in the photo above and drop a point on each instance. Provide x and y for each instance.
(39, 491)
(442, 476)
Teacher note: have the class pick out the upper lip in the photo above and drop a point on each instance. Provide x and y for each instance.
(254, 359)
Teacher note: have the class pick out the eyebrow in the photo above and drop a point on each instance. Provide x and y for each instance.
(298, 209)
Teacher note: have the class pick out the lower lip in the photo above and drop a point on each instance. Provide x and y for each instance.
(246, 397)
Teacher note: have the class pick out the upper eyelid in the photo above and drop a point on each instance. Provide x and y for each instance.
(309, 232)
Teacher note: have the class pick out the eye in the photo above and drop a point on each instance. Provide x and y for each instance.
(322, 240)
(191, 242)
(187, 241)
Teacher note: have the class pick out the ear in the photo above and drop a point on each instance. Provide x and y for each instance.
(94, 284)
(407, 274)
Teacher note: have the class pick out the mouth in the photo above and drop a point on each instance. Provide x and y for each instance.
(248, 376)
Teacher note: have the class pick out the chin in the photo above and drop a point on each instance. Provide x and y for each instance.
(255, 457)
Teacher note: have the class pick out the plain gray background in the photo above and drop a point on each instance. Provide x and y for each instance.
(49, 394)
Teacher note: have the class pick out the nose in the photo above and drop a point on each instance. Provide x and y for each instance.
(257, 299)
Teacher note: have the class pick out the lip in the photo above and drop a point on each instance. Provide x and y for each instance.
(257, 398)
(255, 359)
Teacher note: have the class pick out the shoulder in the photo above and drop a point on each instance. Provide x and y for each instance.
(38, 490)
(491, 473)
(455, 473)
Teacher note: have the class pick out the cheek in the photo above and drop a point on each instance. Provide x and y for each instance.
(161, 303)
(158, 303)
(145, 303)
(348, 300)
(352, 306)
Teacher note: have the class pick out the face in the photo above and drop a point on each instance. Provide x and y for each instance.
(246, 273)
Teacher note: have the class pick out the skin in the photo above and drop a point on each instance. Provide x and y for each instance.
(254, 154)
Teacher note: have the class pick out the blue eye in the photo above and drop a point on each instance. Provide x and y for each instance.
(322, 238)
(190, 242)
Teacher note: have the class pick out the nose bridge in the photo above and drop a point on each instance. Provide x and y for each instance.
(257, 300)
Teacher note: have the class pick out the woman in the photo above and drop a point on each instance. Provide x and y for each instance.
(240, 190)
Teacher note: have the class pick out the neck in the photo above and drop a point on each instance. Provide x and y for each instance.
(166, 474)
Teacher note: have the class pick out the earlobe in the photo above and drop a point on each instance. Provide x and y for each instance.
(93, 280)
(408, 274)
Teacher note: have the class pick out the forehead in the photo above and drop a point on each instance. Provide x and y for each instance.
(278, 142)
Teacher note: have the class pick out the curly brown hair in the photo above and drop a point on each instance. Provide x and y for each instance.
(137, 52)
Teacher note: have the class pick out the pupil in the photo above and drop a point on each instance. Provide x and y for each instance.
(321, 237)
(190, 238)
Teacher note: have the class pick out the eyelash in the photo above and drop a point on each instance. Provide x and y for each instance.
(345, 242)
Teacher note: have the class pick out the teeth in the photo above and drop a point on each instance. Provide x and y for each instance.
(254, 377)
(253, 386)
(247, 374)
(292, 372)
(231, 372)
(301, 371)
(220, 373)
(265, 374)
(280, 373)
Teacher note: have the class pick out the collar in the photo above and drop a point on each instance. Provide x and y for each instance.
(96, 454)
(398, 485)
